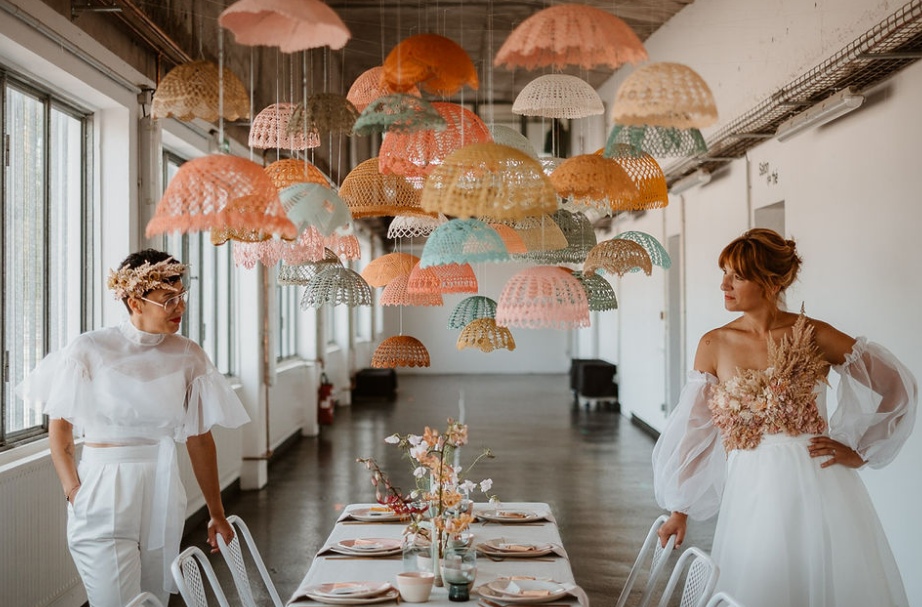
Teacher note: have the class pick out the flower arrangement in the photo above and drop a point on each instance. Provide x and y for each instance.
(441, 487)
(778, 399)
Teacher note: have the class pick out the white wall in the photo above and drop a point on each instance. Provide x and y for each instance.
(537, 350)
(850, 202)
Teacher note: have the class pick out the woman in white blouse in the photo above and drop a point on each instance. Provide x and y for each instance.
(751, 437)
(133, 391)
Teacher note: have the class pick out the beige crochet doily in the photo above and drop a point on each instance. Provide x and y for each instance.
(558, 96)
(191, 90)
(484, 335)
(666, 95)
(619, 257)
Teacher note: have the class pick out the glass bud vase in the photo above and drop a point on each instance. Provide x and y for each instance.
(459, 570)
(417, 553)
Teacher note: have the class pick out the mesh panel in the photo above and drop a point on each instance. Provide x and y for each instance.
(695, 583)
(193, 577)
(571, 34)
(240, 566)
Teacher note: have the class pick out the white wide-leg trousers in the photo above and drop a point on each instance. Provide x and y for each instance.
(108, 523)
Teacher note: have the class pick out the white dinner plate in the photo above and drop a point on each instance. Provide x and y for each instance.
(389, 595)
(369, 515)
(498, 589)
(351, 590)
(381, 547)
(495, 547)
(510, 516)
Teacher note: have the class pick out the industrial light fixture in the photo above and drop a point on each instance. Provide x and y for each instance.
(829, 109)
(699, 177)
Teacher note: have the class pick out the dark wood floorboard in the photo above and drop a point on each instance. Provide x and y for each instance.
(591, 465)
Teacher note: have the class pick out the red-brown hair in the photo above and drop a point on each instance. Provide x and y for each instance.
(765, 257)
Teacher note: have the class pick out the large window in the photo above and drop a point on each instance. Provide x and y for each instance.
(286, 342)
(47, 248)
(210, 307)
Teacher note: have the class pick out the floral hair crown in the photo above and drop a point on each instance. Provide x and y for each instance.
(135, 282)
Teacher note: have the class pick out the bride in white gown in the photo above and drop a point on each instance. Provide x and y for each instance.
(750, 438)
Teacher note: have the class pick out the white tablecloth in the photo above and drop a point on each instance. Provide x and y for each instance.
(327, 567)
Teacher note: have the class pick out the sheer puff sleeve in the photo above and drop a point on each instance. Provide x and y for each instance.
(877, 398)
(689, 463)
(210, 401)
(58, 386)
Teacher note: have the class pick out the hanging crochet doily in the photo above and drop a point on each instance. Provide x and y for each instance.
(369, 193)
(504, 135)
(646, 174)
(618, 257)
(290, 25)
(311, 204)
(396, 294)
(435, 62)
(558, 96)
(669, 95)
(384, 269)
(661, 142)
(543, 296)
(191, 90)
(489, 180)
(592, 181)
(289, 171)
(540, 233)
(463, 241)
(653, 247)
(398, 113)
(470, 309)
(336, 285)
(324, 113)
(580, 236)
(455, 278)
(400, 351)
(484, 335)
(300, 275)
(368, 87)
(571, 34)
(270, 127)
(599, 291)
(417, 154)
(515, 245)
(413, 226)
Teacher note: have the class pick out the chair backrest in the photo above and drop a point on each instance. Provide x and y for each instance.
(657, 564)
(145, 599)
(233, 556)
(187, 572)
(723, 599)
(699, 583)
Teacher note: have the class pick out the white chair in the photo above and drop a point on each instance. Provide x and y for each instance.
(699, 583)
(145, 599)
(233, 556)
(187, 571)
(658, 563)
(722, 599)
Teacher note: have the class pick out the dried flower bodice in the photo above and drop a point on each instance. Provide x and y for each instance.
(780, 398)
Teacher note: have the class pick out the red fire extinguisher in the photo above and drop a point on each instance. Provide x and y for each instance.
(325, 401)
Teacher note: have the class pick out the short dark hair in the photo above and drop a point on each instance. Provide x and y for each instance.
(151, 256)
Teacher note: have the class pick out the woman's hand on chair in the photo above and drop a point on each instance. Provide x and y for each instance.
(676, 525)
(219, 524)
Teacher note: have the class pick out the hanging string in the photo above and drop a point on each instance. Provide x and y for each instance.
(278, 79)
(304, 85)
(252, 94)
(220, 90)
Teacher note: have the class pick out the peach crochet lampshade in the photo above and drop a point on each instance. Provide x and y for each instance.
(367, 87)
(271, 125)
(290, 25)
(484, 335)
(417, 154)
(571, 34)
(515, 244)
(336, 285)
(400, 351)
(423, 280)
(191, 90)
(219, 192)
(543, 296)
(386, 268)
(618, 256)
(369, 193)
(308, 247)
(414, 226)
(289, 171)
(324, 113)
(646, 174)
(489, 180)
(436, 63)
(345, 245)
(397, 294)
(667, 95)
(456, 278)
(558, 96)
(593, 181)
(470, 309)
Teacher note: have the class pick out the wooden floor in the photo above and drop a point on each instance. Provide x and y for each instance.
(591, 465)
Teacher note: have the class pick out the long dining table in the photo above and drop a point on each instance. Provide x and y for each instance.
(330, 567)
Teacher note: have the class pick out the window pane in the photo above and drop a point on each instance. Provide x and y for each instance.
(24, 274)
(193, 318)
(209, 309)
(224, 328)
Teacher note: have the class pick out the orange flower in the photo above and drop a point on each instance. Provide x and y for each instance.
(431, 436)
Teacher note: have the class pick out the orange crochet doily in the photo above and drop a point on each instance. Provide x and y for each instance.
(435, 62)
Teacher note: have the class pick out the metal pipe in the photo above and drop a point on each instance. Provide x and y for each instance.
(158, 39)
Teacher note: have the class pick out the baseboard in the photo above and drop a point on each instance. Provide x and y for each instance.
(647, 428)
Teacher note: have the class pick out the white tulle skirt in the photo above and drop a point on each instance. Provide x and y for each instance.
(793, 534)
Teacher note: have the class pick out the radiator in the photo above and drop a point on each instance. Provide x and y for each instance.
(35, 566)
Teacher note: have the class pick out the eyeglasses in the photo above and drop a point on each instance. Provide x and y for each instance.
(170, 305)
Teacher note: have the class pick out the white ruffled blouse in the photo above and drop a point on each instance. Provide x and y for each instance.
(125, 386)
(877, 399)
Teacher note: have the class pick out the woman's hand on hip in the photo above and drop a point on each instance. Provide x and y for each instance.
(838, 453)
(676, 525)
(219, 525)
